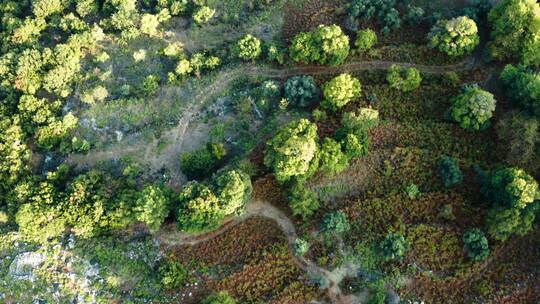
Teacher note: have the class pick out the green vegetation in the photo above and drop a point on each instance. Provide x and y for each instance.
(365, 40)
(203, 162)
(473, 108)
(219, 298)
(476, 244)
(522, 87)
(249, 48)
(325, 45)
(339, 91)
(455, 37)
(403, 79)
(301, 91)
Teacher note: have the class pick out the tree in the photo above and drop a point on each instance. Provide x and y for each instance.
(201, 163)
(473, 108)
(303, 201)
(203, 15)
(45, 8)
(394, 246)
(403, 79)
(199, 208)
(522, 86)
(325, 45)
(339, 91)
(383, 10)
(455, 37)
(511, 187)
(519, 134)
(221, 297)
(356, 144)
(503, 222)
(365, 40)
(55, 132)
(291, 151)
(450, 172)
(515, 31)
(149, 24)
(336, 222)
(152, 206)
(332, 159)
(233, 189)
(301, 246)
(364, 119)
(249, 47)
(14, 153)
(476, 245)
(301, 91)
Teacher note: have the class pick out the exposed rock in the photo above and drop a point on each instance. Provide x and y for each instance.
(23, 265)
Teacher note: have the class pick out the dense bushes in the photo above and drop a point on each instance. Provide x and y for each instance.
(202, 207)
(365, 40)
(394, 246)
(152, 206)
(301, 91)
(473, 108)
(203, 162)
(476, 244)
(325, 45)
(515, 30)
(455, 37)
(403, 79)
(303, 202)
(522, 86)
(292, 149)
(219, 298)
(332, 159)
(339, 91)
(335, 222)
(173, 275)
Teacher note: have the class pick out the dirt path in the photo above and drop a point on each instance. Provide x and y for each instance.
(331, 279)
(177, 138)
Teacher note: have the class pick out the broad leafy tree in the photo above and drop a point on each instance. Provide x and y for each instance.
(291, 151)
(455, 37)
(476, 244)
(511, 187)
(515, 31)
(152, 206)
(403, 79)
(303, 201)
(365, 40)
(522, 86)
(339, 91)
(301, 91)
(473, 108)
(233, 189)
(199, 208)
(331, 159)
(326, 45)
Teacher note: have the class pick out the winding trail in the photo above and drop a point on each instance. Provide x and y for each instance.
(176, 137)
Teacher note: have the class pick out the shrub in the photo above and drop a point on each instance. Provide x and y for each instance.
(219, 298)
(301, 246)
(152, 206)
(412, 191)
(335, 222)
(383, 10)
(522, 86)
(455, 37)
(519, 134)
(173, 275)
(325, 45)
(301, 91)
(332, 159)
(199, 208)
(473, 108)
(249, 48)
(515, 30)
(356, 144)
(149, 24)
(203, 162)
(393, 247)
(203, 15)
(150, 85)
(340, 91)
(365, 40)
(503, 222)
(292, 149)
(403, 79)
(450, 172)
(303, 202)
(511, 187)
(476, 244)
(365, 119)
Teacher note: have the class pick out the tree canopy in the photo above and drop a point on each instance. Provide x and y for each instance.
(455, 37)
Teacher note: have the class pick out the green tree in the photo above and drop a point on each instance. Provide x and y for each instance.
(55, 132)
(476, 244)
(455, 37)
(292, 149)
(336, 222)
(45, 8)
(219, 298)
(301, 91)
(394, 246)
(203, 15)
(303, 202)
(152, 206)
(511, 187)
(249, 47)
(403, 79)
(522, 86)
(332, 159)
(365, 40)
(450, 172)
(199, 208)
(503, 222)
(519, 134)
(473, 108)
(202, 163)
(14, 153)
(339, 91)
(149, 24)
(326, 45)
(233, 189)
(384, 11)
(301, 246)
(515, 31)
